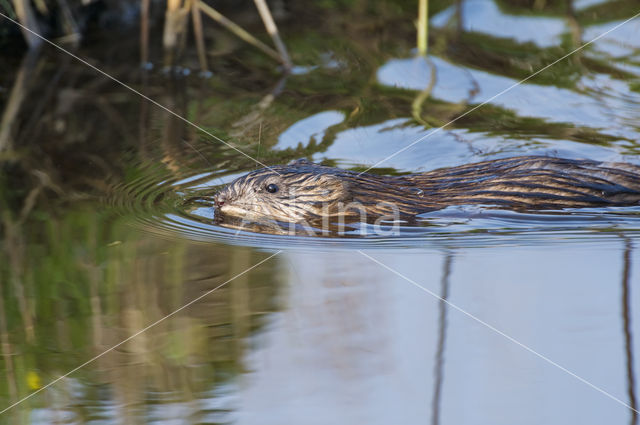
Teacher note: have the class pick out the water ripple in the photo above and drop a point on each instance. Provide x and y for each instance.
(181, 207)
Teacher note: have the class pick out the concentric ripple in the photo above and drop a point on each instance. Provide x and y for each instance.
(181, 207)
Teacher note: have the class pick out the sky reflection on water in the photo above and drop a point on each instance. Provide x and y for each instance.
(320, 333)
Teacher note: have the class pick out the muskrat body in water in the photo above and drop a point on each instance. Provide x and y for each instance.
(303, 190)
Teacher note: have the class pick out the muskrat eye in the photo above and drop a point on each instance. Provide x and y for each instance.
(272, 188)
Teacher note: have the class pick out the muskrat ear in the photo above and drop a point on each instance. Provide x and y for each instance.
(299, 161)
(336, 188)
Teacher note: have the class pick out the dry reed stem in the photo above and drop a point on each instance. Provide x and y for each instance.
(144, 32)
(7, 352)
(253, 118)
(41, 6)
(15, 247)
(17, 95)
(68, 22)
(199, 36)
(28, 19)
(272, 29)
(175, 25)
(238, 31)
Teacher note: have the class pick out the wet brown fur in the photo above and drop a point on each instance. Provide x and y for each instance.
(308, 191)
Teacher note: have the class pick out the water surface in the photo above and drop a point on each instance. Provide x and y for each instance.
(476, 315)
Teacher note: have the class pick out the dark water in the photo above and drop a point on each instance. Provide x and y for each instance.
(121, 301)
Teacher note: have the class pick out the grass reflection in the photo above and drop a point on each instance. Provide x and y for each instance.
(83, 286)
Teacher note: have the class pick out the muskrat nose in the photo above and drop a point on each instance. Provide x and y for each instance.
(219, 200)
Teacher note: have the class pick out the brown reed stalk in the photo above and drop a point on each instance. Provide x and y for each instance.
(68, 22)
(17, 96)
(7, 353)
(199, 36)
(27, 17)
(144, 32)
(272, 29)
(175, 25)
(238, 31)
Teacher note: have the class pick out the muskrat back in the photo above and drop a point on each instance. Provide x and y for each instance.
(303, 190)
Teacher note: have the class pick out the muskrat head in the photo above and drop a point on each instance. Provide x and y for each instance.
(295, 192)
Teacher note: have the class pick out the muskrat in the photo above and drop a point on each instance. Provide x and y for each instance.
(303, 190)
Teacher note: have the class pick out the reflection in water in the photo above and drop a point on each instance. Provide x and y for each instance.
(618, 43)
(255, 118)
(527, 100)
(19, 90)
(108, 293)
(488, 18)
(7, 353)
(627, 320)
(345, 349)
(309, 129)
(98, 240)
(442, 329)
